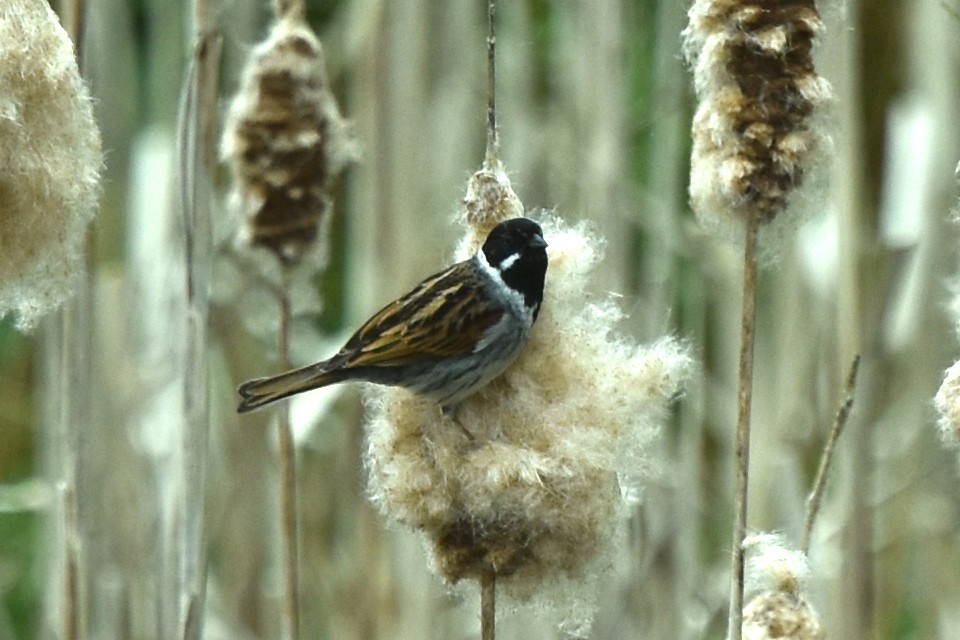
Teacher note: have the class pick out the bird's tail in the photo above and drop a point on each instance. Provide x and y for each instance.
(262, 391)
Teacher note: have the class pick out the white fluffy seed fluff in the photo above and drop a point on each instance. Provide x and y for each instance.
(50, 162)
(776, 578)
(538, 496)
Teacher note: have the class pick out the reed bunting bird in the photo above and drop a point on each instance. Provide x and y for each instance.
(448, 337)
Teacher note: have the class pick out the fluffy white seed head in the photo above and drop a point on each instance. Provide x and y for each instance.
(776, 579)
(538, 495)
(50, 162)
(759, 144)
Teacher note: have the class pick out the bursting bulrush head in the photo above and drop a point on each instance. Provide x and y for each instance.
(757, 138)
(537, 495)
(776, 576)
(285, 141)
(781, 616)
(489, 200)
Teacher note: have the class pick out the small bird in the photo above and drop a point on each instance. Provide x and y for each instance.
(445, 339)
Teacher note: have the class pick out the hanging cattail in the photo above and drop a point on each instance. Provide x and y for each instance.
(50, 162)
(776, 576)
(535, 499)
(285, 141)
(757, 141)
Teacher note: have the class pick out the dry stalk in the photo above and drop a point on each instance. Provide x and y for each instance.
(820, 483)
(493, 136)
(288, 483)
(488, 605)
(77, 338)
(488, 579)
(744, 400)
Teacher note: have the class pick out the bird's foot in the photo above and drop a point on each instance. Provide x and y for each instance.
(450, 412)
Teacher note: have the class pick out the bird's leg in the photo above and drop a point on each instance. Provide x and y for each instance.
(450, 411)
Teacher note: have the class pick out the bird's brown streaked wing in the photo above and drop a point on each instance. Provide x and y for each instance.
(438, 318)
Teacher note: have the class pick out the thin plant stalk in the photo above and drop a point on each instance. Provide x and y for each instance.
(74, 370)
(488, 581)
(820, 483)
(288, 483)
(71, 576)
(744, 401)
(493, 137)
(488, 606)
(76, 345)
(196, 136)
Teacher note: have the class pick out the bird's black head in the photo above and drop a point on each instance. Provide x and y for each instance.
(517, 250)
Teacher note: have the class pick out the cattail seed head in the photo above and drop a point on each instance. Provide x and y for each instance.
(50, 162)
(777, 576)
(537, 496)
(285, 141)
(489, 200)
(781, 616)
(756, 137)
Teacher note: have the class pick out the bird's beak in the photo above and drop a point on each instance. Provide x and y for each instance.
(538, 241)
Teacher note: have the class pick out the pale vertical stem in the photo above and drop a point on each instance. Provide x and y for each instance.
(196, 135)
(71, 572)
(74, 19)
(73, 417)
(744, 401)
(493, 136)
(488, 605)
(820, 483)
(488, 581)
(288, 483)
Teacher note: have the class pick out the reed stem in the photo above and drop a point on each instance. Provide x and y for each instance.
(288, 483)
(491, 157)
(488, 581)
(488, 605)
(74, 372)
(820, 483)
(744, 401)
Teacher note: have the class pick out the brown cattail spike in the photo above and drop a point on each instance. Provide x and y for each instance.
(754, 139)
(468, 548)
(284, 140)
